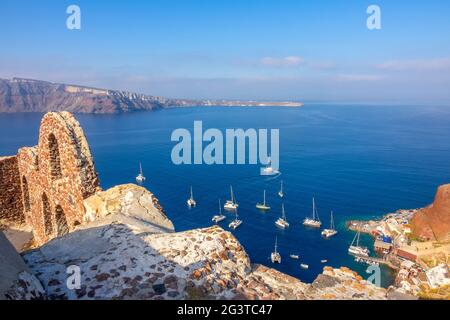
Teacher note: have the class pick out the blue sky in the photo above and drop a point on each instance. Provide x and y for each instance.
(246, 49)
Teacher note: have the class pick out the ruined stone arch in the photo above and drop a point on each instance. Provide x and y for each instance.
(47, 215)
(54, 157)
(26, 194)
(62, 226)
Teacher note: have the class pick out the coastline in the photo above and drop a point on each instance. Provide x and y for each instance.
(409, 259)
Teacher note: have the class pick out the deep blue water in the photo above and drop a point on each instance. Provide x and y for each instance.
(359, 161)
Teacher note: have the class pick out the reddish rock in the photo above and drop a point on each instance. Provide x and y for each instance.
(433, 222)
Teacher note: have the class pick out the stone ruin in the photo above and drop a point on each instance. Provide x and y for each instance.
(44, 186)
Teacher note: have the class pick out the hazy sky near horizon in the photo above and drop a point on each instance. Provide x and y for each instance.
(248, 49)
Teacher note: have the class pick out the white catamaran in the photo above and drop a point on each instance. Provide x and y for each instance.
(140, 177)
(231, 204)
(327, 233)
(219, 217)
(191, 202)
(356, 249)
(280, 193)
(275, 256)
(236, 222)
(282, 222)
(263, 206)
(314, 221)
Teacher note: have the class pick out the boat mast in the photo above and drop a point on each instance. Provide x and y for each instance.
(354, 238)
(140, 168)
(192, 195)
(276, 244)
(282, 212)
(264, 197)
(314, 209)
(332, 222)
(220, 208)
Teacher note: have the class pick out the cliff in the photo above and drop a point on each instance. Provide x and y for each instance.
(433, 222)
(26, 95)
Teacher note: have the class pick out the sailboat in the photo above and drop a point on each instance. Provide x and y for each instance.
(281, 222)
(263, 206)
(191, 202)
(140, 177)
(327, 233)
(275, 256)
(236, 222)
(280, 193)
(314, 221)
(357, 249)
(231, 204)
(219, 217)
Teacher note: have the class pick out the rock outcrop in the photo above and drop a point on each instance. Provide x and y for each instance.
(433, 222)
(130, 202)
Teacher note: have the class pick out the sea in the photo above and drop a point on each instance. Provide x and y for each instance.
(359, 161)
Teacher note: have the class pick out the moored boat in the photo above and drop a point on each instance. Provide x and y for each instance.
(282, 222)
(219, 217)
(231, 204)
(140, 177)
(236, 222)
(313, 222)
(356, 249)
(275, 256)
(191, 202)
(328, 233)
(263, 206)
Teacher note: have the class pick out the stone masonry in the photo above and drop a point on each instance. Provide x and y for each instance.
(11, 207)
(45, 185)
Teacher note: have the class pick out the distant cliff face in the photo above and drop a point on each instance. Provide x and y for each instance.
(433, 222)
(25, 95)
(21, 95)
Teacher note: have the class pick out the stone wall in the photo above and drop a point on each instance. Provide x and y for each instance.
(54, 178)
(11, 209)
